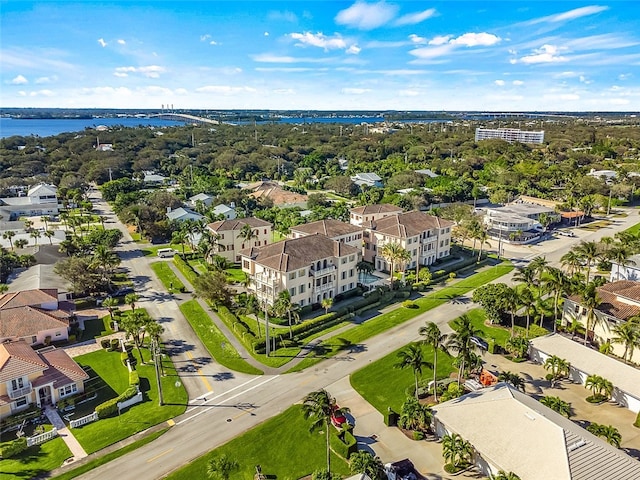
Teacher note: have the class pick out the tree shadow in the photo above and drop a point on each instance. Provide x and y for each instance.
(219, 377)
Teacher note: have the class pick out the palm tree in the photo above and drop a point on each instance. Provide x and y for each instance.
(526, 275)
(179, 237)
(539, 266)
(327, 303)
(482, 237)
(251, 306)
(513, 379)
(8, 235)
(559, 368)
(134, 327)
(131, 299)
(393, 253)
(571, 261)
(110, 304)
(412, 356)
(35, 234)
(526, 299)
(432, 335)
(45, 220)
(627, 334)
(502, 475)
(247, 233)
(4, 288)
(589, 252)
(49, 234)
(284, 305)
(363, 462)
(511, 301)
(517, 346)
(557, 405)
(590, 301)
(460, 342)
(319, 406)
(221, 467)
(455, 449)
(556, 282)
(619, 255)
(600, 387)
(21, 243)
(105, 259)
(608, 432)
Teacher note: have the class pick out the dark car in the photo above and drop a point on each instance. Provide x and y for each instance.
(479, 342)
(121, 292)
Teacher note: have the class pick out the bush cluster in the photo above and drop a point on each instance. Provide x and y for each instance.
(343, 442)
(185, 268)
(13, 448)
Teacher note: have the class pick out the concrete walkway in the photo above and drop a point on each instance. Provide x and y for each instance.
(65, 433)
(90, 345)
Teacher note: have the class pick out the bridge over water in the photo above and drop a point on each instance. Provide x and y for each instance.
(184, 117)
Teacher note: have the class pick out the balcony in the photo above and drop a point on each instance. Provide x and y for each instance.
(325, 287)
(323, 271)
(19, 392)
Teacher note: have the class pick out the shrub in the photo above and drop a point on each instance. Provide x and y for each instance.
(343, 443)
(637, 422)
(105, 343)
(134, 379)
(114, 344)
(11, 449)
(108, 408)
(409, 304)
(418, 435)
(124, 357)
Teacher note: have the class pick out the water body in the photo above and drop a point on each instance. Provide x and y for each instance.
(47, 127)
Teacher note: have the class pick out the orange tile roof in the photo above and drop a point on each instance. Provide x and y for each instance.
(34, 297)
(18, 359)
(28, 321)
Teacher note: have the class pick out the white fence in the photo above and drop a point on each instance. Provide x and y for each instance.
(78, 422)
(131, 401)
(43, 437)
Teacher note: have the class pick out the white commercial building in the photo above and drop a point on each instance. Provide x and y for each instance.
(510, 135)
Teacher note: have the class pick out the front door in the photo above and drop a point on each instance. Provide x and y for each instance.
(45, 396)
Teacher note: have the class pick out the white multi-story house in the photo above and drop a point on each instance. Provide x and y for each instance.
(425, 237)
(40, 377)
(368, 179)
(311, 268)
(510, 135)
(230, 239)
(334, 229)
(40, 199)
(363, 216)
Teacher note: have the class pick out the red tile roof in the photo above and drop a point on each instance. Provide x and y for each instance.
(18, 359)
(378, 208)
(28, 321)
(34, 297)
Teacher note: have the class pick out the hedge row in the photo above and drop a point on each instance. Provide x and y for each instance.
(444, 273)
(184, 267)
(110, 407)
(343, 443)
(13, 448)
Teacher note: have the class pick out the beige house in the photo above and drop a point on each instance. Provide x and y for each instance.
(334, 229)
(36, 377)
(230, 240)
(363, 216)
(425, 237)
(619, 301)
(35, 316)
(311, 268)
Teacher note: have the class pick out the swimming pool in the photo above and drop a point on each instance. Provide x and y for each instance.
(367, 278)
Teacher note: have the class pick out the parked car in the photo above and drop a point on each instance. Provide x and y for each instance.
(479, 342)
(338, 418)
(566, 233)
(166, 252)
(121, 292)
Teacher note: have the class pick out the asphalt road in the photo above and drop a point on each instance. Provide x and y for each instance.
(242, 402)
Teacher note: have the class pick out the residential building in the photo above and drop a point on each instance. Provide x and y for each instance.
(202, 198)
(619, 301)
(40, 199)
(363, 216)
(40, 377)
(228, 212)
(427, 172)
(510, 135)
(586, 361)
(607, 175)
(334, 229)
(368, 179)
(311, 268)
(273, 192)
(518, 222)
(182, 214)
(627, 270)
(36, 316)
(514, 432)
(425, 237)
(229, 238)
(152, 178)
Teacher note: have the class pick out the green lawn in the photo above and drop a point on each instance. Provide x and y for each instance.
(282, 445)
(499, 335)
(400, 315)
(217, 344)
(235, 275)
(108, 366)
(634, 229)
(76, 472)
(97, 327)
(36, 460)
(383, 385)
(168, 278)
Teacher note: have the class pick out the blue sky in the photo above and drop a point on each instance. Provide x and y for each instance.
(328, 55)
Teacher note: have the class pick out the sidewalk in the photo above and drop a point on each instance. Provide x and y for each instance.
(65, 433)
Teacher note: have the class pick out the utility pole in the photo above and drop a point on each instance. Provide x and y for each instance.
(266, 317)
(157, 359)
(110, 175)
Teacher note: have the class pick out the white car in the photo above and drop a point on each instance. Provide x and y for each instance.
(166, 252)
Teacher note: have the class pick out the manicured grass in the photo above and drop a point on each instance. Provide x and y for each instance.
(593, 226)
(400, 315)
(168, 278)
(153, 251)
(108, 366)
(634, 230)
(213, 339)
(499, 335)
(235, 275)
(36, 460)
(76, 472)
(282, 445)
(383, 385)
(97, 327)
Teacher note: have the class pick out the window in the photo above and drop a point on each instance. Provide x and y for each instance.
(58, 334)
(292, 275)
(21, 402)
(265, 231)
(343, 260)
(344, 275)
(351, 286)
(301, 272)
(34, 339)
(230, 247)
(17, 383)
(301, 288)
(441, 243)
(245, 264)
(352, 258)
(343, 287)
(292, 291)
(351, 273)
(302, 302)
(68, 390)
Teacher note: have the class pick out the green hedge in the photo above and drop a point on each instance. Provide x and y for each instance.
(184, 267)
(134, 379)
(343, 443)
(108, 408)
(13, 448)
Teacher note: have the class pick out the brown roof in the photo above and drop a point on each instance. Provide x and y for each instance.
(609, 303)
(297, 253)
(237, 224)
(330, 227)
(64, 369)
(27, 321)
(274, 192)
(28, 297)
(379, 208)
(18, 359)
(409, 224)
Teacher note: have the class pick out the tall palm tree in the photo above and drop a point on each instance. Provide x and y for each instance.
(327, 303)
(247, 233)
(393, 253)
(431, 335)
(620, 255)
(131, 299)
(556, 281)
(460, 342)
(557, 405)
(8, 235)
(283, 305)
(412, 357)
(610, 433)
(251, 306)
(179, 237)
(455, 449)
(571, 261)
(105, 259)
(539, 266)
(526, 300)
(134, 327)
(221, 467)
(49, 234)
(590, 253)
(513, 379)
(110, 304)
(590, 301)
(627, 334)
(319, 406)
(364, 462)
(512, 303)
(35, 234)
(482, 237)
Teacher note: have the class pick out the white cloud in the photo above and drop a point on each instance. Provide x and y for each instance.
(570, 14)
(584, 80)
(41, 80)
(366, 16)
(476, 39)
(181, 91)
(115, 91)
(284, 91)
(266, 34)
(624, 76)
(269, 58)
(417, 39)
(499, 83)
(517, 83)
(544, 54)
(102, 42)
(355, 91)
(440, 40)
(319, 40)
(149, 71)
(213, 42)
(417, 17)
(121, 41)
(205, 37)
(353, 50)
(408, 93)
(225, 89)
(19, 80)
(427, 53)
(41, 93)
(286, 16)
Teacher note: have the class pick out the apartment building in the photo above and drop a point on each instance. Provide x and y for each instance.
(510, 135)
(425, 237)
(334, 229)
(311, 268)
(363, 216)
(231, 236)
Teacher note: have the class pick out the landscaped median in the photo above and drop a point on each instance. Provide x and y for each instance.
(214, 340)
(169, 279)
(386, 321)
